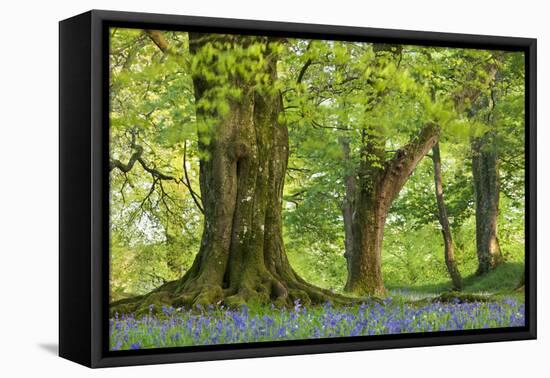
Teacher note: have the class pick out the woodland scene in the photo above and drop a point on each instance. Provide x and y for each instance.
(270, 188)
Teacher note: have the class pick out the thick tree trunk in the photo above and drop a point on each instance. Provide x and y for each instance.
(450, 262)
(369, 218)
(378, 185)
(242, 256)
(487, 192)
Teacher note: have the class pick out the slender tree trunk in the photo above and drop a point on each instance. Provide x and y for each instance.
(487, 192)
(450, 262)
(350, 185)
(378, 185)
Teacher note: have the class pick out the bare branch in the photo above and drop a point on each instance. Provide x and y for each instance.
(187, 182)
(125, 168)
(319, 126)
(303, 70)
(155, 173)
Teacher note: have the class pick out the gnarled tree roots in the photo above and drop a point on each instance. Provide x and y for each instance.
(187, 293)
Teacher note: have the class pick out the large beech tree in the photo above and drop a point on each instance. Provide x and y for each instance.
(243, 142)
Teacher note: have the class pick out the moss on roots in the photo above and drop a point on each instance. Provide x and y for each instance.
(265, 292)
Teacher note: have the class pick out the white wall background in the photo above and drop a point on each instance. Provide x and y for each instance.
(29, 188)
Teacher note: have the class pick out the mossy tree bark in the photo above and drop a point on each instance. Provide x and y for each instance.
(245, 154)
(443, 218)
(379, 183)
(485, 168)
(487, 193)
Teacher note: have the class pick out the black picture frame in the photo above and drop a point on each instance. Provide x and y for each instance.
(83, 181)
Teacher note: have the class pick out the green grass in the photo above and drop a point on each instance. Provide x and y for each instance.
(504, 278)
(501, 283)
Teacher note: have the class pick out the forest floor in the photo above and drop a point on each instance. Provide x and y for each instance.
(485, 302)
(500, 283)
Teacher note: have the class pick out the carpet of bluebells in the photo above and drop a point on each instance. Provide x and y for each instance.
(218, 325)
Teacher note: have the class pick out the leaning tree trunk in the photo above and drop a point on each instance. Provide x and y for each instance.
(242, 169)
(450, 262)
(487, 192)
(378, 185)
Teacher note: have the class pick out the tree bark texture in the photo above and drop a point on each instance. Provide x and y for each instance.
(378, 185)
(487, 193)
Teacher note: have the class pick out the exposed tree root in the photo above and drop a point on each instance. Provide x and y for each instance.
(454, 296)
(267, 290)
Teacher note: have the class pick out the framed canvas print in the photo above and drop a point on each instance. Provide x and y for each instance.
(233, 188)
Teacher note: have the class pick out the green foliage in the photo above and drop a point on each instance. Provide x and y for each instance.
(141, 268)
(503, 280)
(155, 225)
(320, 263)
(413, 261)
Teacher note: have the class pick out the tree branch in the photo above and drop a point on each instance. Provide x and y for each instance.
(125, 168)
(155, 173)
(317, 125)
(158, 39)
(305, 66)
(398, 169)
(187, 182)
(303, 70)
